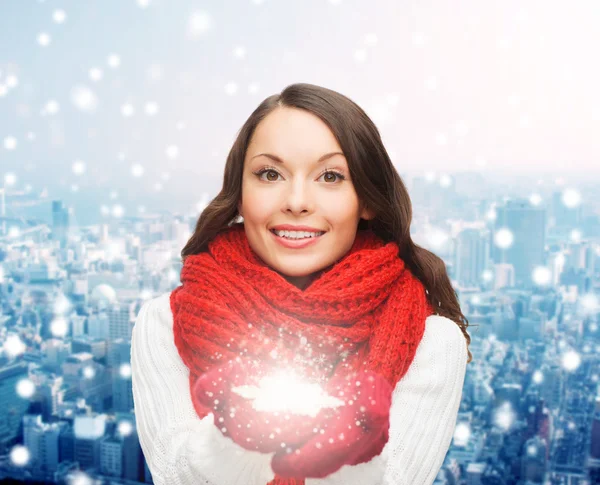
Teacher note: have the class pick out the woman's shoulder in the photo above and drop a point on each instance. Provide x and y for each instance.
(439, 323)
(156, 311)
(161, 302)
(443, 335)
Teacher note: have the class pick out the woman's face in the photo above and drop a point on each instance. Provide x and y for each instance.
(298, 191)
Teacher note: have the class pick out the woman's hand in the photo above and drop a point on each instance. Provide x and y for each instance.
(353, 433)
(234, 415)
(304, 446)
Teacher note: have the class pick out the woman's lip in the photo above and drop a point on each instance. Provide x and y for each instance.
(295, 230)
(273, 231)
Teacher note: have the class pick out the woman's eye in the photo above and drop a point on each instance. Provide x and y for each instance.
(267, 171)
(330, 175)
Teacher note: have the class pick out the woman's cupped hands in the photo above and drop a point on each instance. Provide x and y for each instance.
(304, 445)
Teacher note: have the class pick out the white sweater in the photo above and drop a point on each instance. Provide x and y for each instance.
(182, 449)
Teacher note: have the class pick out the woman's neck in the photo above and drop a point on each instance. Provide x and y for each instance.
(301, 282)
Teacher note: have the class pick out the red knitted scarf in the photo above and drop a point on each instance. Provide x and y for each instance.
(367, 311)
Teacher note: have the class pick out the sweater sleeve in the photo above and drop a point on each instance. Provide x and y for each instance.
(423, 414)
(179, 447)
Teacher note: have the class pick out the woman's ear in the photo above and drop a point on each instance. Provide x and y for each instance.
(367, 214)
(239, 208)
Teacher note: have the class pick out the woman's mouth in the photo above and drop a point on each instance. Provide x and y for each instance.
(297, 241)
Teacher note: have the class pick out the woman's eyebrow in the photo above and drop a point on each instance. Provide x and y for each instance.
(277, 159)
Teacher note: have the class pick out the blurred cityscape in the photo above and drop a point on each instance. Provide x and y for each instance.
(116, 117)
(525, 267)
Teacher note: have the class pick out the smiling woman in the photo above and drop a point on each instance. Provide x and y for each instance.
(312, 186)
(321, 280)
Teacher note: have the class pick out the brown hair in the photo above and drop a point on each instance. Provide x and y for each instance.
(376, 181)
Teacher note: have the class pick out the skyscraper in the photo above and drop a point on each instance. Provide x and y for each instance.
(471, 256)
(60, 222)
(527, 224)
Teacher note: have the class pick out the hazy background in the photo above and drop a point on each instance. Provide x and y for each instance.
(105, 101)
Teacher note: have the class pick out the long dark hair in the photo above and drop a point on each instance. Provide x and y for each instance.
(376, 181)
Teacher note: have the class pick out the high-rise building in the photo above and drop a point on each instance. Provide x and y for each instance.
(563, 216)
(527, 225)
(504, 276)
(471, 256)
(60, 222)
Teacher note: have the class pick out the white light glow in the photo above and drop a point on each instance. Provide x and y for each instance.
(571, 198)
(504, 417)
(59, 16)
(445, 181)
(43, 39)
(12, 81)
(537, 377)
(95, 74)
(504, 238)
(127, 110)
(125, 428)
(589, 303)
(10, 143)
(84, 98)
(137, 170)
(436, 237)
(59, 327)
(571, 360)
(52, 107)
(576, 235)
(285, 391)
(19, 455)
(78, 167)
(117, 210)
(487, 275)
(125, 371)
(14, 346)
(199, 23)
(113, 61)
(172, 152)
(542, 275)
(535, 199)
(25, 388)
(462, 433)
(151, 108)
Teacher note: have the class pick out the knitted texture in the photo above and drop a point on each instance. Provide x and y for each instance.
(366, 311)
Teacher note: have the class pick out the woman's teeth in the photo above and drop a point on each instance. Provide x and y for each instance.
(297, 234)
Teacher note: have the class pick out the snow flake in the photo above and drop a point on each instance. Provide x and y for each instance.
(59, 16)
(43, 39)
(10, 143)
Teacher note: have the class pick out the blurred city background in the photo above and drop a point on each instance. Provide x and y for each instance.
(116, 117)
